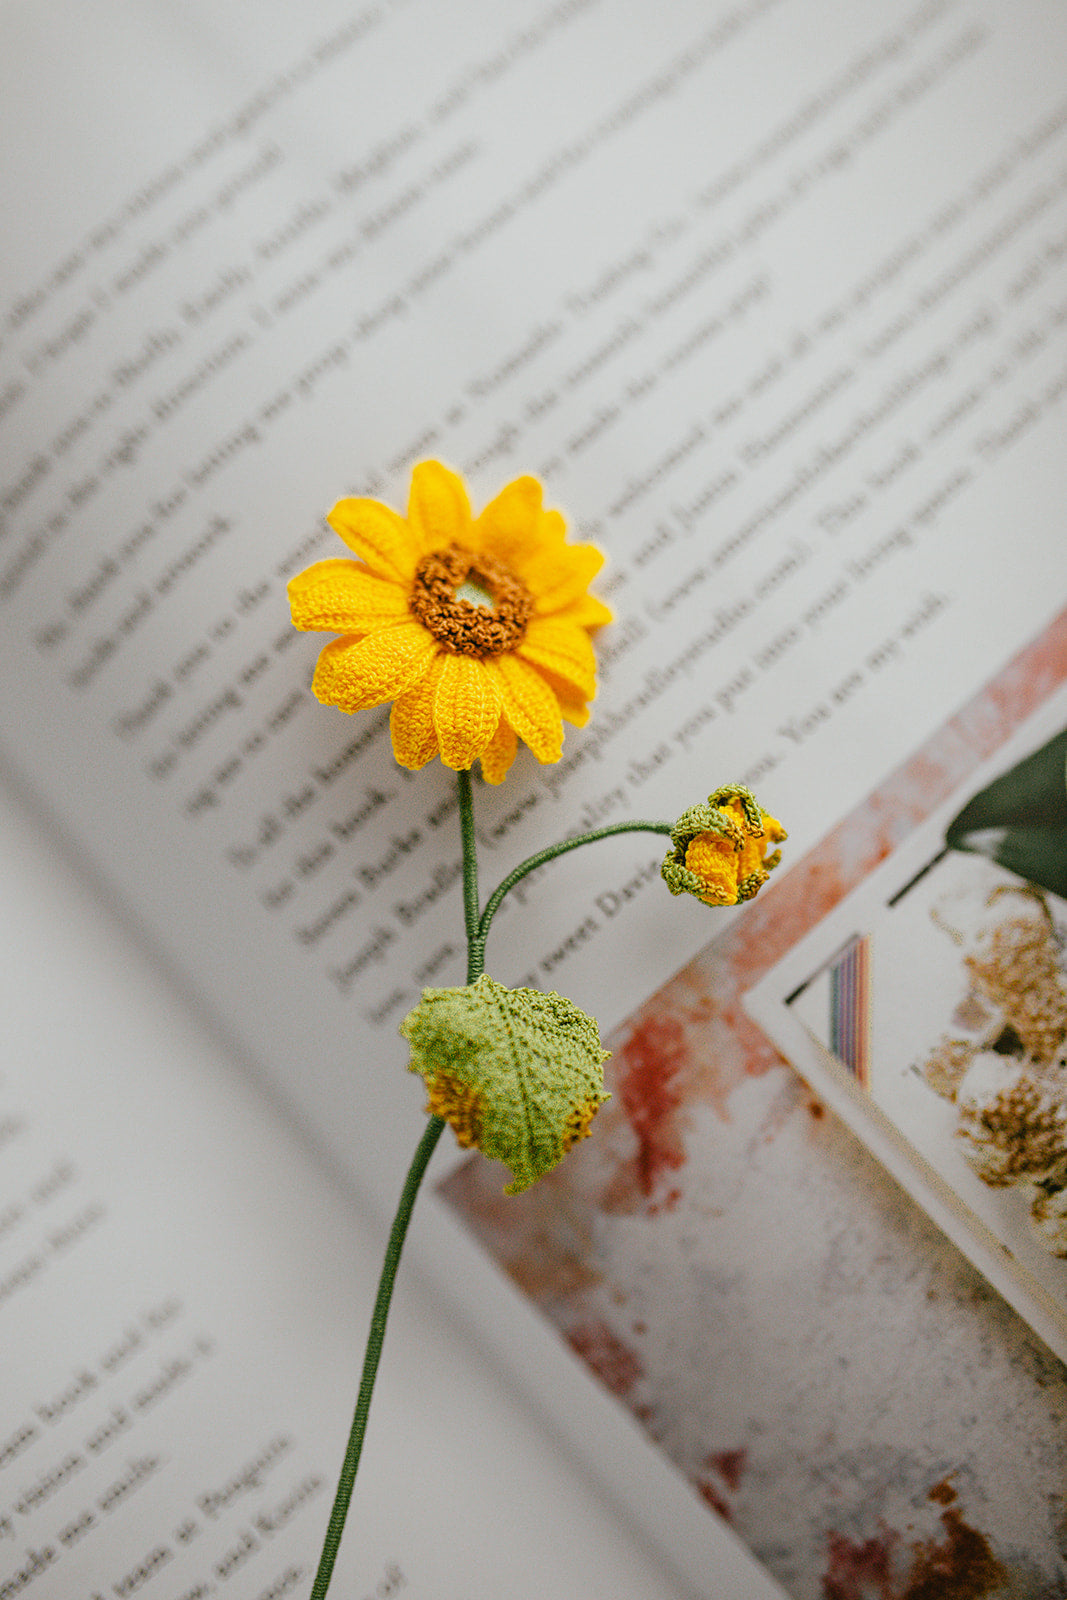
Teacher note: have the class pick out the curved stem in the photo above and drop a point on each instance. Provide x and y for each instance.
(375, 1339)
(420, 1161)
(550, 853)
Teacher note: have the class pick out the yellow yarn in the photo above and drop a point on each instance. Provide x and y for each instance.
(476, 628)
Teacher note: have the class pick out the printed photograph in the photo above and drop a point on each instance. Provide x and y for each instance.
(763, 1158)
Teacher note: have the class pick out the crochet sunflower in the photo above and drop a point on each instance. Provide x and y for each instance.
(476, 628)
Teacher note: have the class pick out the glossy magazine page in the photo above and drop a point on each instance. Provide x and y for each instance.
(769, 331)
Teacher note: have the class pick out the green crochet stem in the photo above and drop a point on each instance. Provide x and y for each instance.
(475, 943)
(477, 928)
(375, 1340)
(492, 905)
(427, 1145)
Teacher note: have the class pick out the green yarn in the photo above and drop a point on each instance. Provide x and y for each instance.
(517, 1073)
(733, 815)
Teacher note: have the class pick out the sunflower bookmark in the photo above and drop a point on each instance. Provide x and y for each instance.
(479, 631)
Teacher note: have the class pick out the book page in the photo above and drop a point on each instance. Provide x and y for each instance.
(904, 986)
(183, 1298)
(644, 262)
(731, 281)
(751, 1280)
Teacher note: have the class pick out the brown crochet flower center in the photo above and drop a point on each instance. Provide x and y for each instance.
(463, 627)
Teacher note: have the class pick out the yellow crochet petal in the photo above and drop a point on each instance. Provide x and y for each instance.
(340, 596)
(587, 612)
(718, 866)
(376, 534)
(551, 528)
(529, 706)
(559, 577)
(466, 710)
(461, 692)
(719, 850)
(509, 527)
(439, 512)
(499, 753)
(572, 706)
(356, 674)
(565, 650)
(411, 720)
(576, 712)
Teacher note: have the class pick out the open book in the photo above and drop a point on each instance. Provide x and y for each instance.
(774, 305)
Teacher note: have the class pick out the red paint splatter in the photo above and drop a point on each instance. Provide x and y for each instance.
(757, 1052)
(730, 1465)
(715, 1500)
(961, 1566)
(614, 1363)
(859, 1570)
(812, 887)
(649, 1077)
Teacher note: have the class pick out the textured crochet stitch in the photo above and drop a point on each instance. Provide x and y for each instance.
(476, 628)
(518, 1074)
(719, 850)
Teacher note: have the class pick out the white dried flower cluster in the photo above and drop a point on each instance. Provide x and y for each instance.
(1005, 1066)
(1013, 1117)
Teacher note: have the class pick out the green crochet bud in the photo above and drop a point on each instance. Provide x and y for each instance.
(719, 851)
(518, 1074)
